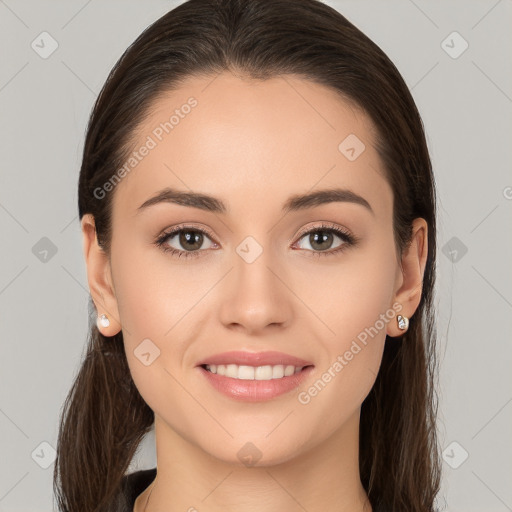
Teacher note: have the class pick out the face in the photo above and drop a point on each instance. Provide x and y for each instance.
(316, 281)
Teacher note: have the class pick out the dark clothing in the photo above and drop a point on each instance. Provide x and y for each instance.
(136, 483)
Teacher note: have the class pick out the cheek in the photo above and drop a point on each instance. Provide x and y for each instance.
(156, 301)
(150, 293)
(350, 295)
(354, 304)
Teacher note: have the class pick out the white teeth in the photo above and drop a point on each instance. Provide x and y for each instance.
(253, 372)
(289, 370)
(262, 372)
(278, 371)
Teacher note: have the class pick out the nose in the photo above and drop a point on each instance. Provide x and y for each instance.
(255, 296)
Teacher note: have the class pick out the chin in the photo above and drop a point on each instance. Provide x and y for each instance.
(256, 453)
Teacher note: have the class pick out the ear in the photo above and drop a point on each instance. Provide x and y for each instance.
(409, 282)
(99, 277)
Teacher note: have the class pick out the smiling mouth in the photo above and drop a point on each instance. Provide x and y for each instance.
(245, 372)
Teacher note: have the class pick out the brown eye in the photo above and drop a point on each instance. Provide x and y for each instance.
(322, 238)
(187, 241)
(190, 240)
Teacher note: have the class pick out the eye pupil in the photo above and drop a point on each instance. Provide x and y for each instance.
(323, 236)
(196, 239)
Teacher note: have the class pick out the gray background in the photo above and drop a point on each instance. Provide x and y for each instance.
(466, 105)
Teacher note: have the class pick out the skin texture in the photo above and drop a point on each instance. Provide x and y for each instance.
(253, 144)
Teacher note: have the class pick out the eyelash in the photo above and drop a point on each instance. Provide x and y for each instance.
(348, 238)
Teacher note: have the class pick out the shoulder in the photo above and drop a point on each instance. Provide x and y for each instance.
(135, 483)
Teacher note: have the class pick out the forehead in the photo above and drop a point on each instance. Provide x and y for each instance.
(251, 142)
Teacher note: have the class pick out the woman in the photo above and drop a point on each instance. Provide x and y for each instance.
(258, 214)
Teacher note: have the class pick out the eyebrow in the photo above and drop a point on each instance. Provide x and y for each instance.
(294, 203)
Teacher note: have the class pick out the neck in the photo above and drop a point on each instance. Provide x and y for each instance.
(325, 478)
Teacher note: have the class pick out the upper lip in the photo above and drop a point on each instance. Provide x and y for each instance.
(271, 358)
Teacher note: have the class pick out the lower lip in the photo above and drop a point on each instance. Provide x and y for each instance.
(255, 390)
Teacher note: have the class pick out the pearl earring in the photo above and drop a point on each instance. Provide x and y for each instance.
(403, 322)
(104, 321)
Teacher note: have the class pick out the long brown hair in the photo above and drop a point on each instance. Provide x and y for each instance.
(104, 418)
